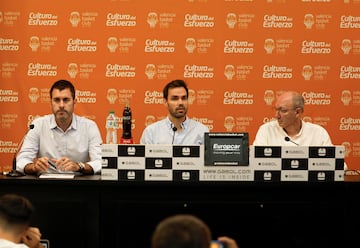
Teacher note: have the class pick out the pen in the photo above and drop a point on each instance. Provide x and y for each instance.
(51, 163)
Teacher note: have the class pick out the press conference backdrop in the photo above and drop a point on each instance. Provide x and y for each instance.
(237, 56)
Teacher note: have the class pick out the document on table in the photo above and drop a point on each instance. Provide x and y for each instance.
(58, 174)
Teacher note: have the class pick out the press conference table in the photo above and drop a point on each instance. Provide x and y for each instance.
(90, 212)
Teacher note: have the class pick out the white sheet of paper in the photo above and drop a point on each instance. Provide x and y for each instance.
(57, 175)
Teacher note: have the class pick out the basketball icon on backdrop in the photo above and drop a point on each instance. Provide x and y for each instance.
(309, 21)
(229, 72)
(112, 44)
(152, 19)
(346, 46)
(74, 18)
(229, 123)
(269, 46)
(34, 43)
(190, 45)
(73, 70)
(34, 94)
(111, 95)
(346, 97)
(150, 71)
(307, 72)
(269, 97)
(231, 20)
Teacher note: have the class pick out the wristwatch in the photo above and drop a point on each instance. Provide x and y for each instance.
(82, 166)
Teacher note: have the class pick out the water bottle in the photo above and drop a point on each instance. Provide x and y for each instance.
(126, 137)
(111, 128)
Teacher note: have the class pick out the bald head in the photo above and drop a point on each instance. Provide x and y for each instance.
(292, 99)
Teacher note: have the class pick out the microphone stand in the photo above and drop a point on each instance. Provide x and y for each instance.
(14, 172)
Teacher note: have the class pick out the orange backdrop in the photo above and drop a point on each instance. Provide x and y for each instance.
(235, 55)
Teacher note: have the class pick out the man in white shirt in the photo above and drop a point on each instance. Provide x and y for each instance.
(177, 127)
(62, 140)
(289, 129)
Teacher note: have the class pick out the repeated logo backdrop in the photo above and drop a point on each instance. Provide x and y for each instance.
(235, 55)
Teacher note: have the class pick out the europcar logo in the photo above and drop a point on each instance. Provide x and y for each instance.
(226, 147)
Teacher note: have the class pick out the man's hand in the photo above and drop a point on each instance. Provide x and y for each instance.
(229, 242)
(32, 237)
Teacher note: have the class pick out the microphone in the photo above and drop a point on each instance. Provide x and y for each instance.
(288, 139)
(14, 172)
(174, 129)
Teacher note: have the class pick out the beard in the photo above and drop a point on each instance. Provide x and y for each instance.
(179, 112)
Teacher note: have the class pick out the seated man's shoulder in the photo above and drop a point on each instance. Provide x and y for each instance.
(270, 123)
(85, 120)
(313, 125)
(40, 118)
(200, 124)
(156, 124)
(317, 128)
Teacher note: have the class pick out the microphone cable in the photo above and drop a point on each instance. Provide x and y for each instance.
(289, 140)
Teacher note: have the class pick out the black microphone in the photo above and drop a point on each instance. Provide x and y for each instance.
(174, 129)
(14, 172)
(288, 139)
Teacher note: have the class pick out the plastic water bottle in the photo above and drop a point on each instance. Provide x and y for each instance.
(126, 137)
(111, 128)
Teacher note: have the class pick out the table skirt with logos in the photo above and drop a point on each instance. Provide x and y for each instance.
(89, 212)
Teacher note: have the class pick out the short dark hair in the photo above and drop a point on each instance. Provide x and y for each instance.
(15, 210)
(62, 85)
(181, 231)
(175, 84)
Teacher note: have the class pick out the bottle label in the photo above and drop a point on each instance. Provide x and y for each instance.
(126, 141)
(112, 124)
